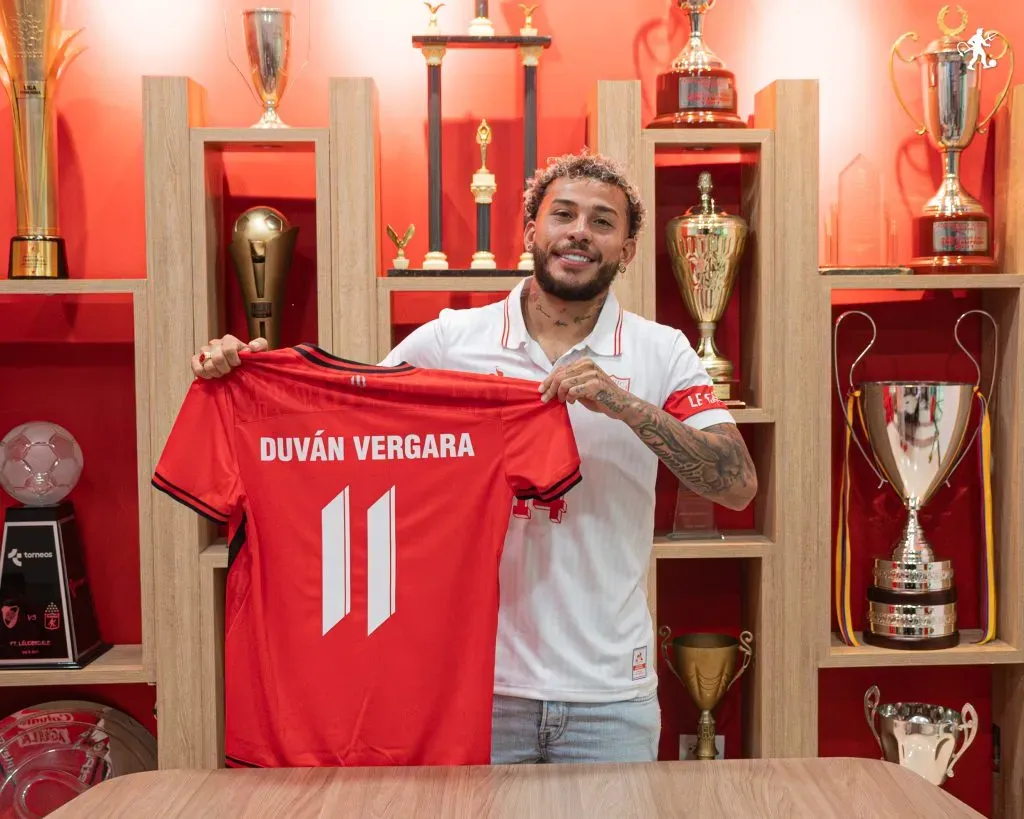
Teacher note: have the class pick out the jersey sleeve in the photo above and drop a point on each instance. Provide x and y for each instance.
(541, 458)
(197, 466)
(690, 395)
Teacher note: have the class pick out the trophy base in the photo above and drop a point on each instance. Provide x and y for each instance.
(724, 392)
(481, 27)
(912, 621)
(48, 615)
(959, 243)
(525, 262)
(38, 257)
(435, 260)
(482, 260)
(895, 576)
(696, 99)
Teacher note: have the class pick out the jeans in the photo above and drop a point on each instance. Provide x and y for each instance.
(532, 731)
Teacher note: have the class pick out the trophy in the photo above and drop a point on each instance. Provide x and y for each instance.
(481, 25)
(262, 247)
(34, 51)
(269, 43)
(401, 261)
(916, 432)
(705, 248)
(483, 189)
(705, 664)
(432, 27)
(528, 29)
(45, 599)
(953, 234)
(699, 91)
(920, 736)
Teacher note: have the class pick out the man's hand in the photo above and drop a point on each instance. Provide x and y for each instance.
(221, 355)
(584, 382)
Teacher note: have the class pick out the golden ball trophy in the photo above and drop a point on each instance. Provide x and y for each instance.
(954, 233)
(262, 247)
(705, 664)
(35, 50)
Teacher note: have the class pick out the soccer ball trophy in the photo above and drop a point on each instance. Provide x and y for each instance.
(48, 620)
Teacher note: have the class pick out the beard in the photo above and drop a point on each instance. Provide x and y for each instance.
(584, 291)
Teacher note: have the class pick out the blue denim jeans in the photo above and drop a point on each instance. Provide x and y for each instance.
(532, 731)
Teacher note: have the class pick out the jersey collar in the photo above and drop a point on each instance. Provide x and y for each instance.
(605, 339)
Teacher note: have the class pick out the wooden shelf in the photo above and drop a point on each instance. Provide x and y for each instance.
(273, 139)
(728, 546)
(214, 556)
(54, 287)
(121, 664)
(864, 656)
(986, 281)
(448, 283)
(751, 415)
(701, 137)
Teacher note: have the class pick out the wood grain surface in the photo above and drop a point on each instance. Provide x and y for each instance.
(818, 788)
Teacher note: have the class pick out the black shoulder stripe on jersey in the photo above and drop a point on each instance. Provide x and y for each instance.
(191, 501)
(235, 762)
(237, 542)
(555, 492)
(316, 355)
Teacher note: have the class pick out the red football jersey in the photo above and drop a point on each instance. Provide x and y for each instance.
(366, 510)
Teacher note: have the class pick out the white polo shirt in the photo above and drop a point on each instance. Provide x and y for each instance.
(574, 623)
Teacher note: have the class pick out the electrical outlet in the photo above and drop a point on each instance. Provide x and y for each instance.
(688, 746)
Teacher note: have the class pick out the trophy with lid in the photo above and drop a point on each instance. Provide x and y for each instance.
(954, 233)
(698, 91)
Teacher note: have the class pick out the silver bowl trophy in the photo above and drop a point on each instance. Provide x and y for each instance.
(916, 431)
(269, 45)
(919, 736)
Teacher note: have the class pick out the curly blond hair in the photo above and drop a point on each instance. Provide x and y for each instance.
(585, 165)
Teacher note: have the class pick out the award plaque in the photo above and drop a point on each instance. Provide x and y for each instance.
(45, 598)
(920, 736)
(34, 52)
(706, 666)
(698, 91)
(262, 247)
(954, 233)
(916, 431)
(705, 247)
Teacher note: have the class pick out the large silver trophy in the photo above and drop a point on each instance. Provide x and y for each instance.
(920, 736)
(916, 431)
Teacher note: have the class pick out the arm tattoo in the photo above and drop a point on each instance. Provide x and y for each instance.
(712, 462)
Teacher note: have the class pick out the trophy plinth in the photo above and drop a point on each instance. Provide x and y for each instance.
(698, 90)
(705, 247)
(705, 664)
(917, 435)
(920, 736)
(953, 233)
(262, 246)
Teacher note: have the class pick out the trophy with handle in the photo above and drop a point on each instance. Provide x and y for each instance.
(954, 233)
(269, 34)
(916, 432)
(920, 736)
(35, 50)
(705, 663)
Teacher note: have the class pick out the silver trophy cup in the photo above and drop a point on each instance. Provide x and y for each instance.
(920, 736)
(916, 431)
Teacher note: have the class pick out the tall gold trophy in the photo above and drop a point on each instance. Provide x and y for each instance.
(706, 248)
(705, 664)
(34, 51)
(954, 233)
(262, 247)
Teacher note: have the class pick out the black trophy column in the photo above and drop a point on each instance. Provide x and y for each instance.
(529, 119)
(434, 152)
(481, 8)
(483, 227)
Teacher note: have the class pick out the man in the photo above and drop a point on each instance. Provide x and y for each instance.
(576, 655)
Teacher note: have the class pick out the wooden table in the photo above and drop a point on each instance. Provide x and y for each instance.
(738, 789)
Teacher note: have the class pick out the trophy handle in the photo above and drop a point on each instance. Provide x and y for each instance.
(666, 636)
(871, 699)
(839, 390)
(982, 126)
(745, 640)
(969, 727)
(309, 40)
(227, 48)
(987, 398)
(920, 129)
(65, 56)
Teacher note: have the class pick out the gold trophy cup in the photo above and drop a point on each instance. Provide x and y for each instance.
(954, 233)
(262, 247)
(34, 52)
(705, 664)
(706, 248)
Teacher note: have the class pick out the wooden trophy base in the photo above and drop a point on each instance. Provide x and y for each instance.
(949, 245)
(697, 99)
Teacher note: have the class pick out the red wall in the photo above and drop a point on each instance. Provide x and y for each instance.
(843, 43)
